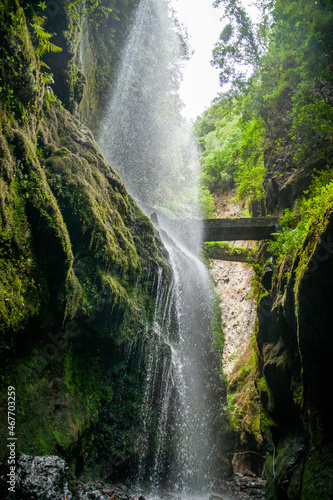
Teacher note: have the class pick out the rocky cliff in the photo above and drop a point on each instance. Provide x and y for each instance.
(295, 343)
(78, 259)
(294, 328)
(234, 285)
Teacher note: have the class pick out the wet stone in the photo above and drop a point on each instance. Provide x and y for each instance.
(245, 486)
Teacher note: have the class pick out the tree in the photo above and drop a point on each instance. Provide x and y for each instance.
(281, 87)
(241, 45)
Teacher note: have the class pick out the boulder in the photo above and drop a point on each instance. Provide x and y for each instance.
(48, 478)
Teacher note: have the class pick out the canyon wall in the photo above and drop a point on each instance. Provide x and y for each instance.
(79, 260)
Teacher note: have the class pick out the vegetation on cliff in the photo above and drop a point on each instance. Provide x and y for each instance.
(270, 136)
(272, 128)
(78, 258)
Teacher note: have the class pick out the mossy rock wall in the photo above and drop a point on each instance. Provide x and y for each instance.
(78, 264)
(101, 47)
(91, 35)
(295, 343)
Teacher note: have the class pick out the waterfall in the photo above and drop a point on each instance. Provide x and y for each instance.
(150, 145)
(144, 136)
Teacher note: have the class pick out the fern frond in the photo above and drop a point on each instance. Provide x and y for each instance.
(46, 46)
(53, 48)
(42, 63)
(43, 37)
(40, 32)
(38, 20)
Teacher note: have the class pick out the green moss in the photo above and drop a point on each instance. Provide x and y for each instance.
(226, 251)
(77, 266)
(318, 475)
(106, 28)
(243, 398)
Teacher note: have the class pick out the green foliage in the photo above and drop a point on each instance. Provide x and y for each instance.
(243, 408)
(250, 182)
(299, 61)
(289, 50)
(232, 153)
(43, 37)
(311, 210)
(92, 5)
(241, 44)
(312, 115)
(206, 202)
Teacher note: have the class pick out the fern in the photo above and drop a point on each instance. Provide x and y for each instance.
(43, 37)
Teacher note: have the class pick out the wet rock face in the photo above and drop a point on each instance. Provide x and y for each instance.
(295, 342)
(42, 477)
(48, 478)
(242, 487)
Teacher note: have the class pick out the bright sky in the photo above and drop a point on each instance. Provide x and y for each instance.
(201, 81)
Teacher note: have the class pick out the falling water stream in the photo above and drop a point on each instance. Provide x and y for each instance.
(148, 142)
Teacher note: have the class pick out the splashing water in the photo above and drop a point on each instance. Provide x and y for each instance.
(145, 137)
(147, 141)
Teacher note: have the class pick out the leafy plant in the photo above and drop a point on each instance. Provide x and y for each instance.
(43, 37)
(310, 211)
(241, 45)
(232, 153)
(42, 5)
(207, 203)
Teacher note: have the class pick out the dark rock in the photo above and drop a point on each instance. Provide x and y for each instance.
(267, 276)
(113, 179)
(248, 473)
(42, 477)
(48, 478)
(245, 486)
(86, 493)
